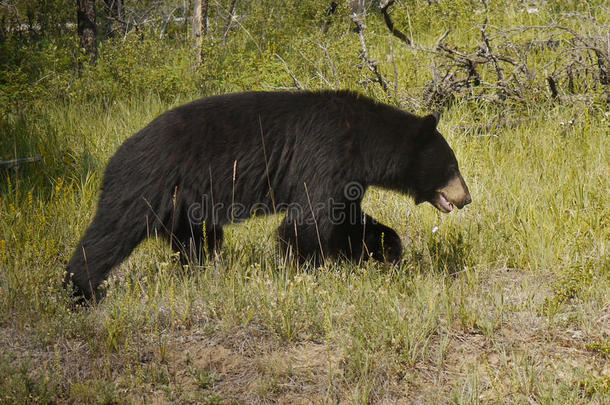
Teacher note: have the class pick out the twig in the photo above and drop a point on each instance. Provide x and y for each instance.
(296, 81)
(229, 20)
(330, 62)
(395, 70)
(313, 214)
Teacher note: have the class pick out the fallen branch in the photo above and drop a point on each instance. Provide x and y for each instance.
(17, 162)
(494, 124)
(580, 64)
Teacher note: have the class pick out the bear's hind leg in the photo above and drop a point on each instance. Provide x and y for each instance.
(306, 242)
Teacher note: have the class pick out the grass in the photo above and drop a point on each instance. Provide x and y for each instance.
(506, 301)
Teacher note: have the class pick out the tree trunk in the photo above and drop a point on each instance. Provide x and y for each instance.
(86, 28)
(200, 26)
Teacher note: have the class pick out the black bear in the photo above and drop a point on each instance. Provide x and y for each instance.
(225, 158)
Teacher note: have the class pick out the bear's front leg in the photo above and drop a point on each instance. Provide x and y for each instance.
(379, 241)
(361, 241)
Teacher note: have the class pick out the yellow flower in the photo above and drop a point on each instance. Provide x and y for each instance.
(59, 184)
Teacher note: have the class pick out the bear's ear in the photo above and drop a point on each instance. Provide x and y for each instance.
(430, 121)
(427, 128)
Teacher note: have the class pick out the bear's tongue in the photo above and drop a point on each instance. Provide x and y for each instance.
(445, 203)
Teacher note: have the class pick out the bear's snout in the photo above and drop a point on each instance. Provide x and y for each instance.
(454, 193)
(466, 201)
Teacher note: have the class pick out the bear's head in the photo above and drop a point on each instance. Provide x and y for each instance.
(435, 174)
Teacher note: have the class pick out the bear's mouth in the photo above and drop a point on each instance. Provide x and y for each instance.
(454, 194)
(442, 203)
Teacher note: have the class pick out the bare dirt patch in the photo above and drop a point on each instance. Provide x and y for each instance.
(253, 366)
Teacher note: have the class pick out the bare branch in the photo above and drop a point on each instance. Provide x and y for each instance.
(370, 63)
(489, 52)
(228, 21)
